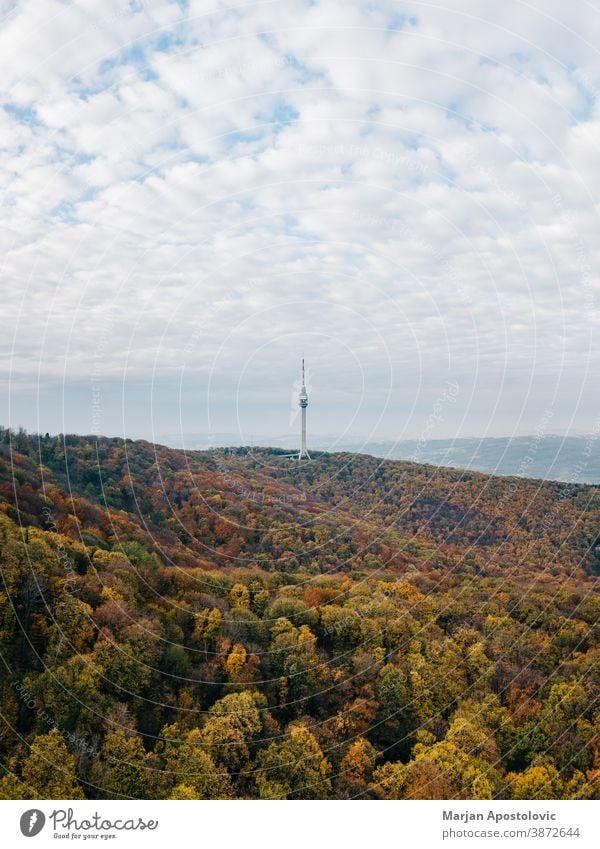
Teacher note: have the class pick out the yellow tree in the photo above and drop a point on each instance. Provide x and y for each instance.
(356, 769)
(541, 781)
(239, 596)
(49, 769)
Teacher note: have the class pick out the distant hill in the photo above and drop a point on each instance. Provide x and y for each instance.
(571, 459)
(233, 624)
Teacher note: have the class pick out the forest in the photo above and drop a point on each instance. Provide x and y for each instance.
(230, 624)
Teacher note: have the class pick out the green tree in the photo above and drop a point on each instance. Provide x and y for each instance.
(293, 769)
(190, 769)
(232, 725)
(126, 770)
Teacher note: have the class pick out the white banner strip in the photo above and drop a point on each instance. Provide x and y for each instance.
(302, 825)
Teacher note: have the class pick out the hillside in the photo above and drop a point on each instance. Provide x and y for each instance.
(230, 623)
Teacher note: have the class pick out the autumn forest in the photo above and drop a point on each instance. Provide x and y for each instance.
(231, 624)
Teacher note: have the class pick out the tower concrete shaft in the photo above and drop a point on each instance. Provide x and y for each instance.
(303, 449)
(303, 402)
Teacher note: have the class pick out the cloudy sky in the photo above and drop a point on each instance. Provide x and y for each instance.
(195, 192)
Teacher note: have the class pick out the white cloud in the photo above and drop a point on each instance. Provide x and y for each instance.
(393, 182)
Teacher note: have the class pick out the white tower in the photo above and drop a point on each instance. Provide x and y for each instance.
(303, 402)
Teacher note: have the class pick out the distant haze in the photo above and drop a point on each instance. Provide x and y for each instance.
(569, 459)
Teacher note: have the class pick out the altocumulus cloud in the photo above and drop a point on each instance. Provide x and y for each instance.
(192, 192)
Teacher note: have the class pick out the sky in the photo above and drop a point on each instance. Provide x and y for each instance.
(196, 193)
